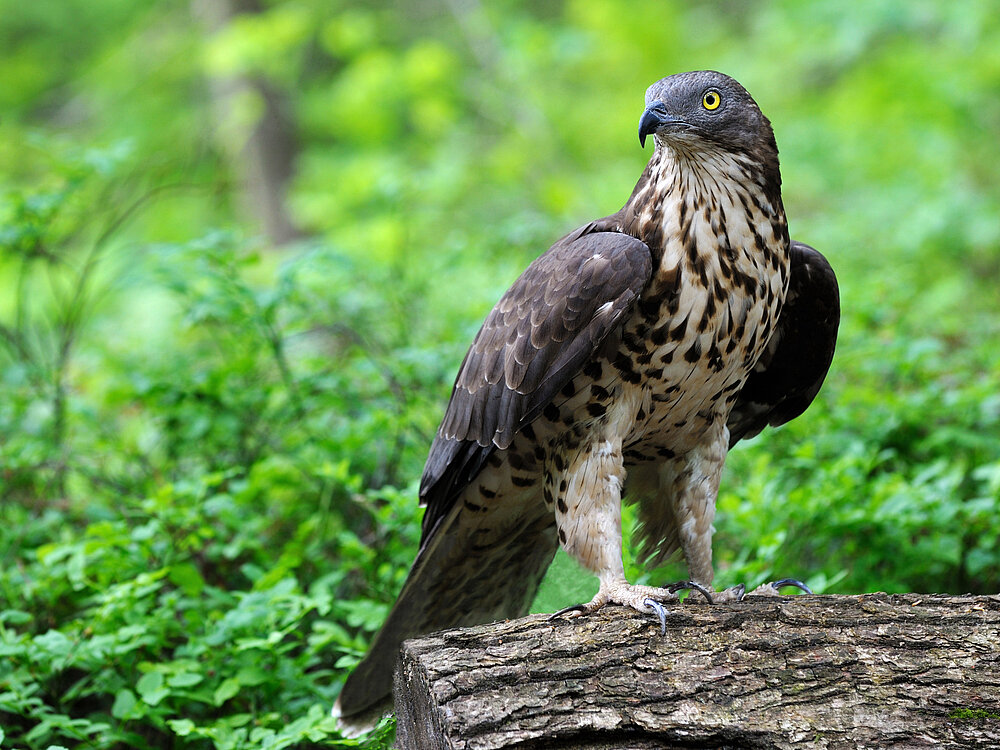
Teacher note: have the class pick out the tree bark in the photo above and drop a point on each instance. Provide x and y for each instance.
(876, 670)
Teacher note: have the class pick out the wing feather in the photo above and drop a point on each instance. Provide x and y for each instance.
(536, 338)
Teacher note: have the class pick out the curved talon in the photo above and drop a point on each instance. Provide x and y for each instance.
(733, 594)
(567, 610)
(791, 582)
(691, 586)
(660, 612)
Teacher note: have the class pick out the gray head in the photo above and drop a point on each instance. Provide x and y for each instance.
(706, 109)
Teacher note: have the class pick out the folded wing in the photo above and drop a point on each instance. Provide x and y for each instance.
(541, 332)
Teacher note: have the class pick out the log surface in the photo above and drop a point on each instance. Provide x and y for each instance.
(877, 670)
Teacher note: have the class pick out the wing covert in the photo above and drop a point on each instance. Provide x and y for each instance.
(536, 338)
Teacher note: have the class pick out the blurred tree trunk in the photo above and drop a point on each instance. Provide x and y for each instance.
(796, 672)
(263, 156)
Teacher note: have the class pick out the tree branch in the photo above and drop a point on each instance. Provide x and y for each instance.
(795, 672)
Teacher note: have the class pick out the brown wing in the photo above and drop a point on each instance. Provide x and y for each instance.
(539, 335)
(790, 372)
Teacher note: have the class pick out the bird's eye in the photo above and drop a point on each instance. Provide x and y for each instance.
(711, 100)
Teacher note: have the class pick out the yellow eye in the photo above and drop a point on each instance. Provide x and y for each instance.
(711, 100)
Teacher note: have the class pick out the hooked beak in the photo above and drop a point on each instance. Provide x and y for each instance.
(657, 118)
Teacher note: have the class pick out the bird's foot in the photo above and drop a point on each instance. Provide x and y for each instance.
(774, 587)
(646, 599)
(705, 591)
(739, 592)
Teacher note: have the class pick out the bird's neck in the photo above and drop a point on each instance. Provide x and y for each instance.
(698, 202)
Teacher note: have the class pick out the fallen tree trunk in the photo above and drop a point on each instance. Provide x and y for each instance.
(792, 672)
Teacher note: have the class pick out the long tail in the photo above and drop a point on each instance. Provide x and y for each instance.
(483, 563)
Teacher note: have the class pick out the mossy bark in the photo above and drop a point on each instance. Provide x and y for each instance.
(793, 672)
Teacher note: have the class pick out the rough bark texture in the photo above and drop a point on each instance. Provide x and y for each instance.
(794, 672)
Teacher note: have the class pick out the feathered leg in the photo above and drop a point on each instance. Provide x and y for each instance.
(588, 518)
(693, 486)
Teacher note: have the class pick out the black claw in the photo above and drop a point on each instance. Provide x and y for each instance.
(741, 587)
(673, 588)
(567, 610)
(791, 582)
(660, 612)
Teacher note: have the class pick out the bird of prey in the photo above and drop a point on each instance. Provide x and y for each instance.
(624, 362)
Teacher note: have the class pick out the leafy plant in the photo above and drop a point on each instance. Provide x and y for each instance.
(209, 446)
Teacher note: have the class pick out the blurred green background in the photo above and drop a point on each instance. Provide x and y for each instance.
(245, 243)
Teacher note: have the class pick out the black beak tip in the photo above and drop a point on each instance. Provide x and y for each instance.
(654, 116)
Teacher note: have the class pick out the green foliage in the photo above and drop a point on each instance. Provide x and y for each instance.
(209, 447)
(162, 621)
(194, 549)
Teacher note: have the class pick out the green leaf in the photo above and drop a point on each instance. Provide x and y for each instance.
(124, 705)
(15, 617)
(150, 688)
(149, 683)
(55, 643)
(226, 690)
(365, 613)
(251, 676)
(184, 679)
(187, 578)
(347, 661)
(181, 727)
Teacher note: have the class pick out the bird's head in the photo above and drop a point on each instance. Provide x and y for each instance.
(705, 110)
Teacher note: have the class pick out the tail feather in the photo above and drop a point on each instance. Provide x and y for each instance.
(479, 566)
(658, 534)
